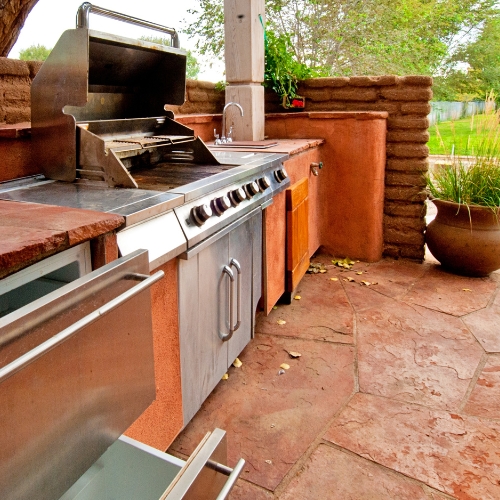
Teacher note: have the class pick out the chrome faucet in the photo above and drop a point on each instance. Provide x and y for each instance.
(225, 138)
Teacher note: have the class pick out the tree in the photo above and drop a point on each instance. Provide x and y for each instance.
(357, 36)
(192, 65)
(12, 16)
(34, 53)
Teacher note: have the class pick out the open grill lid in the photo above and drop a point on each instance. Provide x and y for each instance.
(91, 77)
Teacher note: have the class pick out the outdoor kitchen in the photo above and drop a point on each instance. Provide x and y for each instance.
(171, 231)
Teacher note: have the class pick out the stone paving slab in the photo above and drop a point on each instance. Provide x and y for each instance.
(322, 313)
(484, 400)
(485, 325)
(346, 476)
(272, 419)
(458, 455)
(451, 294)
(414, 354)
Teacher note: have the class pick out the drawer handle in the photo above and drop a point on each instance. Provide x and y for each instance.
(226, 336)
(231, 480)
(237, 265)
(61, 337)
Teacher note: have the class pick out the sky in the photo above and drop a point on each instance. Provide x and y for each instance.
(50, 18)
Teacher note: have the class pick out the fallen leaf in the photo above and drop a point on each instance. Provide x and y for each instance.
(297, 297)
(273, 425)
(334, 279)
(366, 283)
(294, 354)
(466, 289)
(281, 322)
(275, 307)
(225, 376)
(350, 279)
(322, 271)
(269, 462)
(237, 363)
(359, 272)
(375, 283)
(285, 366)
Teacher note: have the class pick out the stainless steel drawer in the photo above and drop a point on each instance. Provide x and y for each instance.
(130, 470)
(76, 369)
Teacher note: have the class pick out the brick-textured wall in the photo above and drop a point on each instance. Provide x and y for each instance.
(406, 99)
(15, 83)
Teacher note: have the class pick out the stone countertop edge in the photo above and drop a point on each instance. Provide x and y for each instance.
(288, 146)
(30, 232)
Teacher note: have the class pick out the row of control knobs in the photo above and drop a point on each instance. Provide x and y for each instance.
(218, 206)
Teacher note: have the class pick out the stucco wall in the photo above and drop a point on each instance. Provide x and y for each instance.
(406, 99)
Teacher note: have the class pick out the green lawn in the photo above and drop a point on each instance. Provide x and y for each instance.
(468, 135)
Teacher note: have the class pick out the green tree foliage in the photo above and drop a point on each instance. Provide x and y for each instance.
(34, 53)
(474, 69)
(192, 65)
(346, 37)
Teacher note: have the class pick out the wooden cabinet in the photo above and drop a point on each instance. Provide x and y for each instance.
(297, 229)
(275, 278)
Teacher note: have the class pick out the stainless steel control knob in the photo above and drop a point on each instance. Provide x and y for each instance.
(201, 214)
(251, 189)
(264, 183)
(280, 174)
(220, 205)
(237, 196)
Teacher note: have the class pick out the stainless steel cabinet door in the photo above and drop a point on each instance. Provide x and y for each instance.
(219, 285)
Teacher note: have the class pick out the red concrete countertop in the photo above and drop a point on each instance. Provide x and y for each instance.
(29, 232)
(289, 146)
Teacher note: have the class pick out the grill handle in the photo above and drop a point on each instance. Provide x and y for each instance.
(84, 11)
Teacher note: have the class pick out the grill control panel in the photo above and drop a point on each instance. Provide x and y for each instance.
(207, 214)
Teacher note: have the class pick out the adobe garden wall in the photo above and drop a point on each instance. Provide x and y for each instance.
(406, 99)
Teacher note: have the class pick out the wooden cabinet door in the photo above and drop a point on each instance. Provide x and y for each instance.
(297, 228)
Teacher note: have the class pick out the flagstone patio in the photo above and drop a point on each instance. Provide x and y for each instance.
(395, 395)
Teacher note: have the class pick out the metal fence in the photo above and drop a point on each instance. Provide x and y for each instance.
(443, 111)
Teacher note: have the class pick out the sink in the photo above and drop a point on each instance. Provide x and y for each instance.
(247, 144)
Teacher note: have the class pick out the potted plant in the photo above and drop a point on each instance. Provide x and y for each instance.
(283, 71)
(465, 235)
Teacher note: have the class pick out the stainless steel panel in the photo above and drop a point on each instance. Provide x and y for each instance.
(62, 410)
(211, 239)
(204, 311)
(161, 236)
(133, 204)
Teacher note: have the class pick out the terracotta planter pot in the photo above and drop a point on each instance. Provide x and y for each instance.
(465, 240)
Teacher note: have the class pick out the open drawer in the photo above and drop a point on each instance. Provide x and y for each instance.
(130, 470)
(76, 370)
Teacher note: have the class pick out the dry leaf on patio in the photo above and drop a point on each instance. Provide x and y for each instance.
(316, 268)
(285, 366)
(359, 272)
(366, 283)
(297, 297)
(375, 283)
(275, 307)
(466, 289)
(237, 363)
(269, 462)
(334, 279)
(225, 376)
(350, 279)
(322, 271)
(346, 263)
(294, 354)
(281, 322)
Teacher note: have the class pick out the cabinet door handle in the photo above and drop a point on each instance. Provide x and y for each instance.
(226, 336)
(237, 265)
